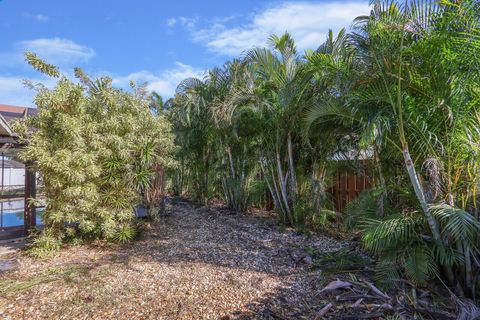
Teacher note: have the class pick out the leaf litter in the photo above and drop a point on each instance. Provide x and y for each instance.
(196, 263)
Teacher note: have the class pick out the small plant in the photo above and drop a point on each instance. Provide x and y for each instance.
(43, 245)
(343, 260)
(125, 234)
(322, 220)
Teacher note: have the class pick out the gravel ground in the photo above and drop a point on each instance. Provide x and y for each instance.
(196, 263)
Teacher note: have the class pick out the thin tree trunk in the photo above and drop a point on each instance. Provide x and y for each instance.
(474, 201)
(432, 223)
(182, 173)
(283, 187)
(468, 267)
(280, 203)
(230, 159)
(270, 188)
(412, 173)
(317, 181)
(278, 196)
(204, 192)
(293, 181)
(381, 199)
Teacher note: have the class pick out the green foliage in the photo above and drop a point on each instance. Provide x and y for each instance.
(40, 65)
(258, 193)
(95, 147)
(457, 224)
(403, 247)
(364, 206)
(322, 220)
(402, 242)
(216, 137)
(125, 234)
(342, 260)
(44, 245)
(397, 96)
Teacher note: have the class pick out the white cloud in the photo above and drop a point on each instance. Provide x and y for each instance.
(13, 92)
(61, 52)
(188, 23)
(171, 22)
(163, 83)
(41, 17)
(37, 17)
(308, 23)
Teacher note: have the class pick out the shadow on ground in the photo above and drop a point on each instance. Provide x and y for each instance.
(196, 263)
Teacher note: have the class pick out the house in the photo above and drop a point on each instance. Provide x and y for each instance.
(17, 183)
(12, 172)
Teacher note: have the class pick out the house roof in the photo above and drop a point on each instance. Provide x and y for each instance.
(8, 113)
(352, 154)
(5, 130)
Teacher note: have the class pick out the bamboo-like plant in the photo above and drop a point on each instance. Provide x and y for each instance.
(95, 147)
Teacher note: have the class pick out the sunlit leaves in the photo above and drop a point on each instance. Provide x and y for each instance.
(40, 65)
(94, 146)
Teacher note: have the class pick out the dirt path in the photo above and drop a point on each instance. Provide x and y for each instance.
(194, 264)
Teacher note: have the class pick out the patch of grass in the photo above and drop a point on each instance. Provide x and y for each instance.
(343, 260)
(53, 274)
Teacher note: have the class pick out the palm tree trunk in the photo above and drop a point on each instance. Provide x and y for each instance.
(381, 199)
(293, 180)
(272, 187)
(278, 197)
(412, 173)
(432, 223)
(317, 181)
(283, 187)
(468, 267)
(230, 159)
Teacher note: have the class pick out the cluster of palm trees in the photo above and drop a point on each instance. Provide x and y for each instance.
(401, 87)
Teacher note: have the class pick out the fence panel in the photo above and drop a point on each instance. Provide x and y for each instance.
(347, 186)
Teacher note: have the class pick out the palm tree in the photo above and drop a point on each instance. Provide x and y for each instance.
(208, 115)
(402, 85)
(279, 92)
(402, 104)
(190, 115)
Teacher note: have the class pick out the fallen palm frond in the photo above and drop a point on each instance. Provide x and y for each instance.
(8, 287)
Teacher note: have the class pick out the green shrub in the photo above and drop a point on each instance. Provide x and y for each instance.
(43, 245)
(95, 146)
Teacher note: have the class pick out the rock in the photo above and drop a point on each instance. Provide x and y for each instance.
(307, 260)
(297, 255)
(141, 211)
(8, 265)
(300, 256)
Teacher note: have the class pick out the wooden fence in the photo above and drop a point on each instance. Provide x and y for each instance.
(347, 186)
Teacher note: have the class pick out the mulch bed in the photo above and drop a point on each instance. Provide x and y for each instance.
(196, 263)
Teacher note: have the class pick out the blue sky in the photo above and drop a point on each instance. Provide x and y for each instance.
(160, 42)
